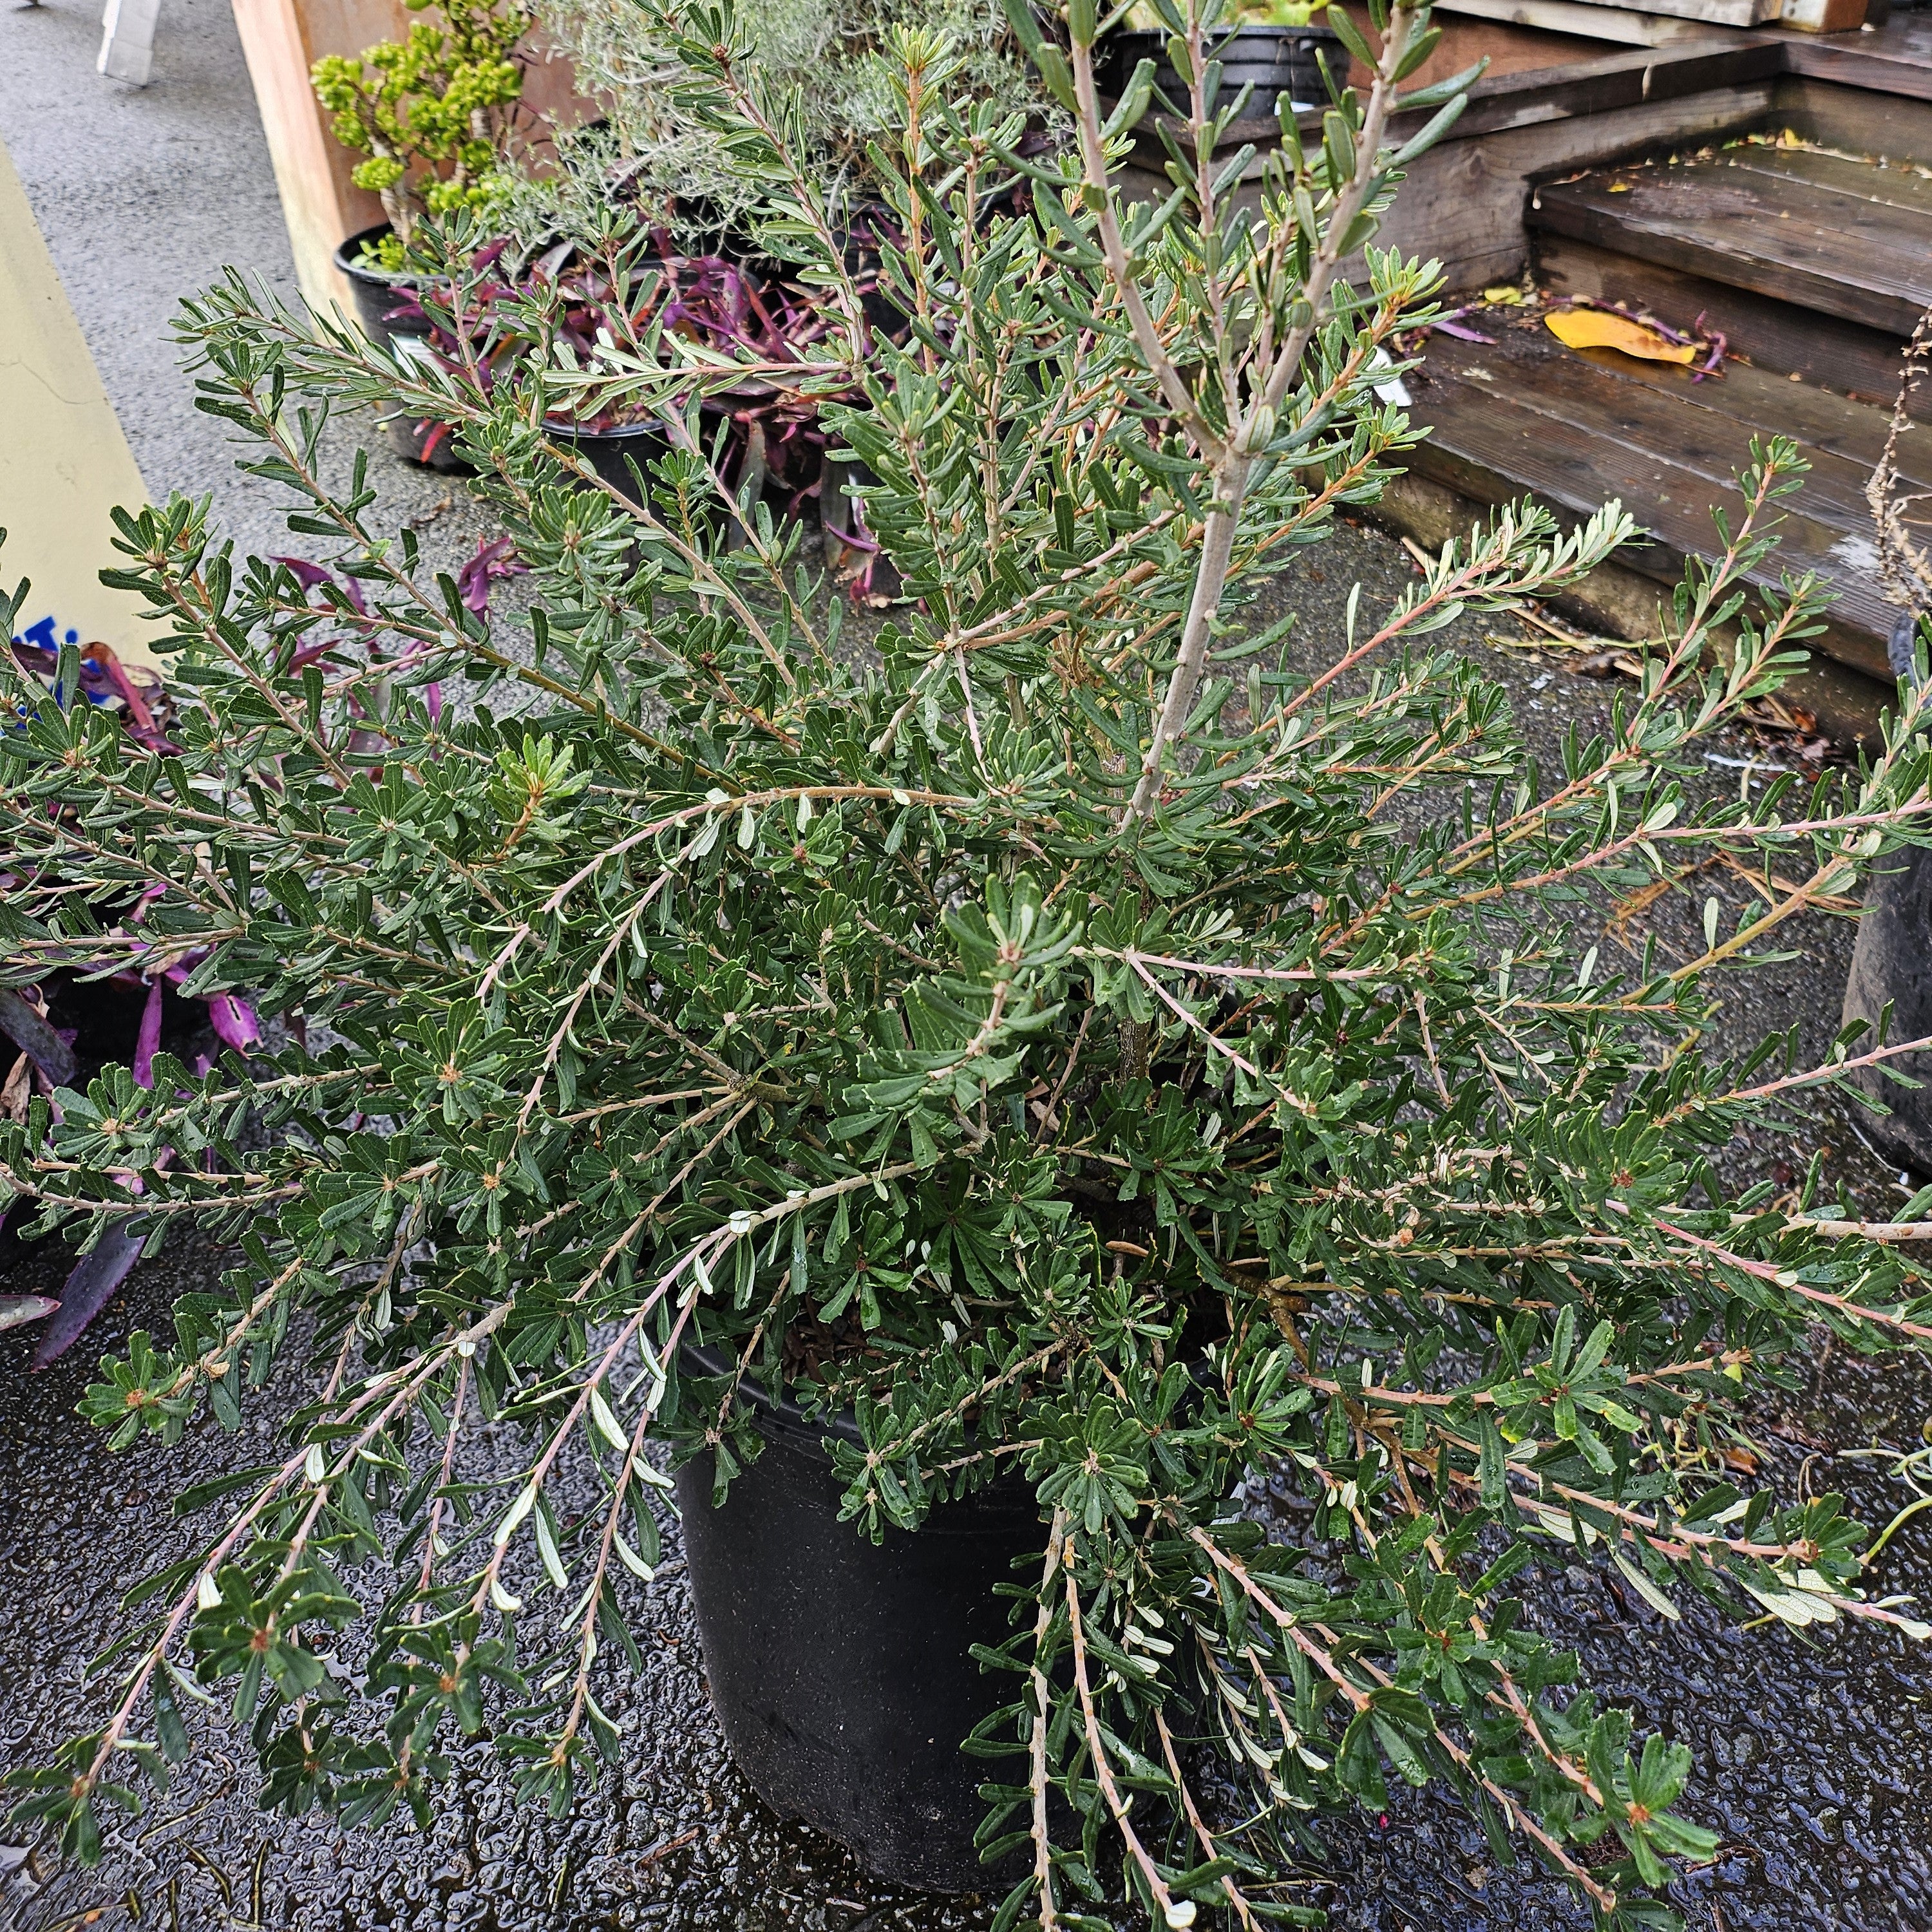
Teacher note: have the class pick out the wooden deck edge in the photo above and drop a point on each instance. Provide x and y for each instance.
(1709, 57)
(1841, 59)
(1620, 602)
(1589, 20)
(1624, 77)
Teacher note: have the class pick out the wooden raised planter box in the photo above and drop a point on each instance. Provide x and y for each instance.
(281, 40)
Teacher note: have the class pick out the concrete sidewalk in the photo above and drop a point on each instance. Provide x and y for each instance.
(144, 196)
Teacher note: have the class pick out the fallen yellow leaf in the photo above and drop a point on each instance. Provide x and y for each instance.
(1593, 329)
(1504, 294)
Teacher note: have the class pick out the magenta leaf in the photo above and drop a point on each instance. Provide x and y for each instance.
(116, 673)
(1459, 332)
(234, 1020)
(495, 557)
(313, 577)
(307, 574)
(149, 1040)
(89, 1289)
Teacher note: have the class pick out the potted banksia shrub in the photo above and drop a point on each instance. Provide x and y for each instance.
(963, 1103)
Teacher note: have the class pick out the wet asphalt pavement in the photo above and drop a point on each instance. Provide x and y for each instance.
(675, 1841)
(1810, 1756)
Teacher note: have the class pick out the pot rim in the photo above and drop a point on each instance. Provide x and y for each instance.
(1154, 36)
(616, 433)
(995, 1506)
(781, 1410)
(344, 259)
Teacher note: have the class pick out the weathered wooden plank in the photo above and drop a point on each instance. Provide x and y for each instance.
(1895, 58)
(1723, 62)
(1709, 13)
(1859, 363)
(1684, 76)
(1706, 426)
(1583, 20)
(1510, 456)
(1462, 204)
(1861, 120)
(1863, 261)
(1510, 47)
(1499, 438)
(1902, 185)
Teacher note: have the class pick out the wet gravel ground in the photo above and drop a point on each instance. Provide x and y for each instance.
(1809, 1754)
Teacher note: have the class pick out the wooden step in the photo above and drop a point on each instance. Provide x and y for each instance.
(1811, 238)
(1875, 180)
(1895, 58)
(1526, 415)
(1873, 119)
(1860, 363)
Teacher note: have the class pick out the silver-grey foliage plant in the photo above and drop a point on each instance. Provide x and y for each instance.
(1135, 1061)
(831, 64)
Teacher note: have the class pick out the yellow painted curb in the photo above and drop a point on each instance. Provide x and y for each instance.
(63, 463)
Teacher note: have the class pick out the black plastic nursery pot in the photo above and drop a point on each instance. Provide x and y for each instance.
(385, 306)
(611, 452)
(840, 1669)
(1274, 61)
(1891, 966)
(622, 457)
(851, 553)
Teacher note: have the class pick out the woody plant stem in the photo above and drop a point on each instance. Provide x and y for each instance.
(1232, 455)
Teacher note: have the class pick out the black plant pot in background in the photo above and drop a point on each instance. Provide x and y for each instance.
(1892, 963)
(611, 452)
(379, 294)
(851, 553)
(841, 1668)
(387, 307)
(1274, 61)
